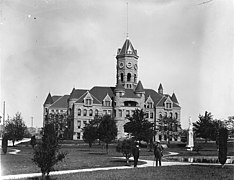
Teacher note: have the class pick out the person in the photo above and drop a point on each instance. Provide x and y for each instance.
(158, 153)
(136, 153)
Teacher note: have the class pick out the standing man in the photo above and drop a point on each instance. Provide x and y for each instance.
(158, 152)
(135, 152)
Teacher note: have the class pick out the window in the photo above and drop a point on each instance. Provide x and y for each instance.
(171, 114)
(135, 78)
(61, 111)
(149, 105)
(52, 110)
(160, 116)
(88, 102)
(90, 112)
(107, 103)
(151, 115)
(79, 112)
(176, 115)
(165, 114)
(78, 124)
(122, 77)
(85, 112)
(127, 113)
(104, 112)
(146, 114)
(85, 122)
(109, 112)
(168, 106)
(129, 77)
(96, 112)
(120, 113)
(78, 135)
(57, 110)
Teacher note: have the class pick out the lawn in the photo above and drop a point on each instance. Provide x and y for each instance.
(168, 172)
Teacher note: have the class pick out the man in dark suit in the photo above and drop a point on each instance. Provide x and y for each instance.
(135, 152)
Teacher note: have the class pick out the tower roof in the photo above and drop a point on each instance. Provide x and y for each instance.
(160, 87)
(49, 100)
(139, 88)
(173, 98)
(119, 86)
(127, 49)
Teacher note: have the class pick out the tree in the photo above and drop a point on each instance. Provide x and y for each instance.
(47, 154)
(223, 137)
(107, 130)
(139, 127)
(204, 127)
(90, 134)
(15, 128)
(170, 126)
(125, 147)
(33, 141)
(60, 123)
(4, 144)
(230, 125)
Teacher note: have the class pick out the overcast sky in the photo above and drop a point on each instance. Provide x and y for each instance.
(54, 45)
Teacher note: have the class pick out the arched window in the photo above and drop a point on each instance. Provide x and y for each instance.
(135, 78)
(79, 112)
(129, 77)
(176, 115)
(96, 112)
(90, 112)
(165, 114)
(85, 112)
(160, 116)
(122, 77)
(171, 114)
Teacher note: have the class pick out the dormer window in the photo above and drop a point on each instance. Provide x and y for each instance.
(168, 104)
(107, 101)
(88, 100)
(149, 103)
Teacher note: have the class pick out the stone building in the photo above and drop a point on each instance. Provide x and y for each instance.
(120, 100)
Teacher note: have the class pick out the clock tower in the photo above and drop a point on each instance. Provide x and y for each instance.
(127, 67)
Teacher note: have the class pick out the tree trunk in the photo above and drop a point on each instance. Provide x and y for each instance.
(13, 142)
(127, 159)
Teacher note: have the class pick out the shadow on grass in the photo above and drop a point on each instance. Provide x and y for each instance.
(40, 178)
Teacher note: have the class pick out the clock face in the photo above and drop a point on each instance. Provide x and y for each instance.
(129, 65)
(121, 65)
(135, 66)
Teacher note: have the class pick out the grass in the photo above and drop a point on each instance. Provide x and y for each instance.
(168, 172)
(80, 156)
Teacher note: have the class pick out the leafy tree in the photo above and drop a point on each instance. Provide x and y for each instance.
(125, 147)
(60, 123)
(204, 127)
(47, 154)
(15, 128)
(223, 137)
(107, 130)
(90, 134)
(4, 144)
(230, 125)
(170, 126)
(139, 127)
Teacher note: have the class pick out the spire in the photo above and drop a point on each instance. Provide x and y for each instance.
(160, 89)
(49, 100)
(119, 87)
(127, 49)
(72, 95)
(139, 88)
(174, 99)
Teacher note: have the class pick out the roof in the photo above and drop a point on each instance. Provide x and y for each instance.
(60, 102)
(101, 92)
(163, 99)
(160, 86)
(81, 99)
(119, 87)
(156, 97)
(139, 88)
(127, 49)
(129, 93)
(77, 93)
(173, 98)
(49, 100)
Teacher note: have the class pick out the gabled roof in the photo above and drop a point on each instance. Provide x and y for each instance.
(163, 99)
(100, 92)
(156, 97)
(173, 98)
(139, 88)
(81, 99)
(49, 100)
(77, 93)
(60, 102)
(127, 49)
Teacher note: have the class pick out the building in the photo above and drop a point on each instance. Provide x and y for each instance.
(120, 100)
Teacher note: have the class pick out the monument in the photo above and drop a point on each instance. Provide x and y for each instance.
(190, 136)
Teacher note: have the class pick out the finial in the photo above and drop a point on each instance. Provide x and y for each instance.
(127, 20)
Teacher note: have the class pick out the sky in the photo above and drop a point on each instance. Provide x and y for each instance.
(56, 45)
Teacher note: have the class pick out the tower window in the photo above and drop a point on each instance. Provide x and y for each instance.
(79, 112)
(129, 77)
(85, 112)
(90, 112)
(135, 78)
(122, 77)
